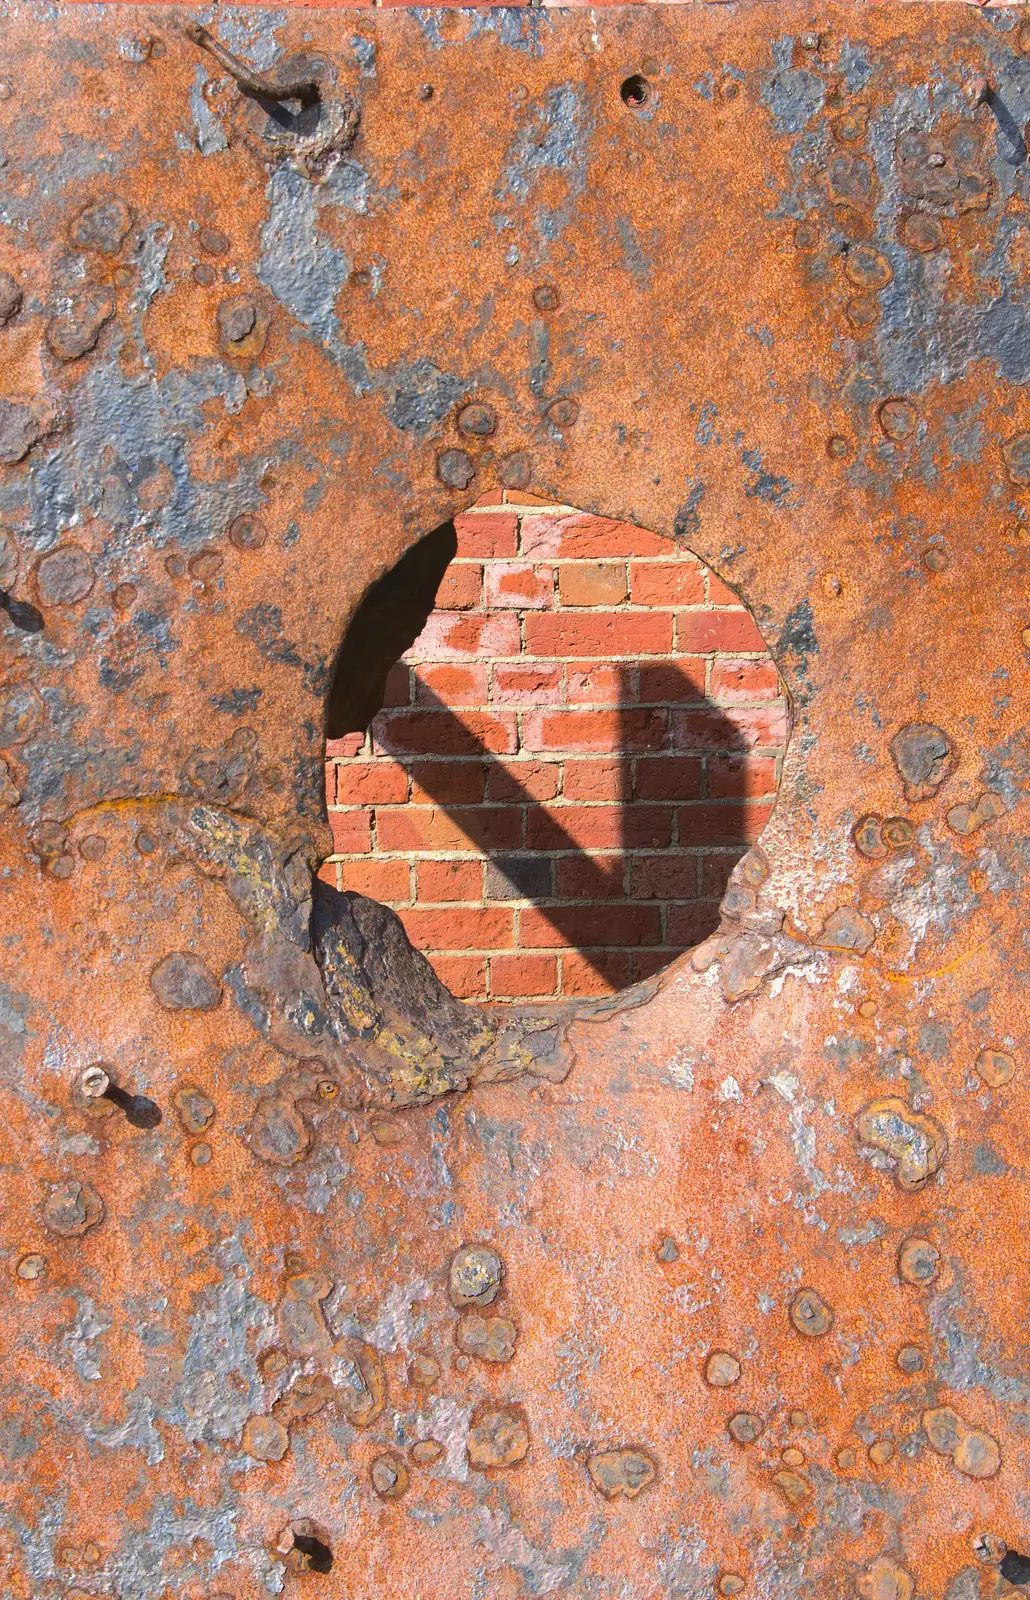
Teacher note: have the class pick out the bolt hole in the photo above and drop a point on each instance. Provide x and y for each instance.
(317, 1555)
(635, 91)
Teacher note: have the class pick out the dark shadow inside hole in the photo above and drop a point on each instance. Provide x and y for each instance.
(140, 1111)
(318, 1556)
(634, 91)
(388, 620)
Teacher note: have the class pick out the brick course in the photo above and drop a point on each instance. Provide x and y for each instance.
(571, 757)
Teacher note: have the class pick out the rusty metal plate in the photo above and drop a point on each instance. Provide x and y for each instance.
(319, 1282)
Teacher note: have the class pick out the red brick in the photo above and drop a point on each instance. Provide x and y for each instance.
(625, 730)
(736, 681)
(449, 880)
(665, 877)
(645, 963)
(741, 777)
(461, 636)
(728, 823)
(699, 631)
(687, 926)
(590, 877)
(530, 685)
(664, 682)
(464, 976)
(523, 977)
(461, 827)
(397, 691)
(669, 778)
(601, 685)
(593, 583)
(518, 585)
(709, 729)
(350, 745)
(461, 587)
(715, 872)
(586, 926)
(720, 594)
(580, 976)
(600, 633)
(460, 928)
(328, 873)
(379, 880)
(587, 537)
(667, 583)
(352, 832)
(454, 685)
(440, 733)
(599, 827)
(365, 783)
(448, 782)
(598, 780)
(519, 781)
(491, 534)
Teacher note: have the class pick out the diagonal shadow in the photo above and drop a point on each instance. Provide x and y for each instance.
(643, 734)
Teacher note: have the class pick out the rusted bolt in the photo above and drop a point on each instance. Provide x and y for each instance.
(236, 318)
(424, 92)
(563, 412)
(247, 532)
(102, 226)
(455, 469)
(204, 275)
(478, 418)
(94, 1081)
(31, 1267)
(213, 241)
(545, 297)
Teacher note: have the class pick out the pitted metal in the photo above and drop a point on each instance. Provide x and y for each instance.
(320, 1282)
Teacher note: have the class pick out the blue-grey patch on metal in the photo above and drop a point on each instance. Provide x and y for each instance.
(364, 53)
(135, 1431)
(423, 396)
(251, 34)
(519, 28)
(792, 94)
(553, 137)
(210, 133)
(633, 257)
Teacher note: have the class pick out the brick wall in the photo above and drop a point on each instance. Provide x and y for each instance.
(576, 750)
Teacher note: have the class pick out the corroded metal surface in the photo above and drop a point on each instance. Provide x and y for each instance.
(715, 1288)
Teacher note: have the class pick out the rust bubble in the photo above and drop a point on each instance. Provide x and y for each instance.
(923, 755)
(478, 419)
(475, 1275)
(455, 468)
(72, 333)
(498, 1437)
(247, 532)
(915, 1143)
(102, 225)
(810, 1314)
(389, 1476)
(564, 412)
(721, 1369)
(265, 1438)
(487, 1338)
(71, 1209)
(898, 418)
(868, 837)
(621, 1474)
(920, 232)
(919, 1261)
(65, 576)
(867, 267)
(182, 982)
(995, 1067)
(745, 1427)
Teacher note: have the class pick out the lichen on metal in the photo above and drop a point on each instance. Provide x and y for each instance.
(319, 1281)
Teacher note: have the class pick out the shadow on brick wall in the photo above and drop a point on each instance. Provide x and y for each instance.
(678, 842)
